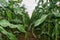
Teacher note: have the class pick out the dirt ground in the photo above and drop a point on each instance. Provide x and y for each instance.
(30, 37)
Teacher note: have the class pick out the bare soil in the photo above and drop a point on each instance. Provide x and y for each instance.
(30, 37)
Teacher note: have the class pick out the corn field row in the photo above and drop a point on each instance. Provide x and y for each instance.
(43, 25)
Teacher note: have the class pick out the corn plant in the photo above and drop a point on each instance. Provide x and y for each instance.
(12, 17)
(46, 18)
(43, 25)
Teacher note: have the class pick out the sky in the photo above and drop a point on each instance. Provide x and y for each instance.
(30, 5)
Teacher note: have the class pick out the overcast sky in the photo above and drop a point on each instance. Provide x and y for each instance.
(30, 5)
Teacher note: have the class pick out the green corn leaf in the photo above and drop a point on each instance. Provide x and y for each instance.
(4, 2)
(15, 0)
(56, 31)
(9, 35)
(5, 23)
(39, 21)
(56, 14)
(21, 28)
(9, 14)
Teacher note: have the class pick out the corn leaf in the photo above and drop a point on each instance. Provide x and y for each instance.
(21, 28)
(9, 14)
(5, 23)
(41, 20)
(9, 35)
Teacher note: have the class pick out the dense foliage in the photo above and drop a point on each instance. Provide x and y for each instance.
(43, 25)
(47, 15)
(12, 19)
